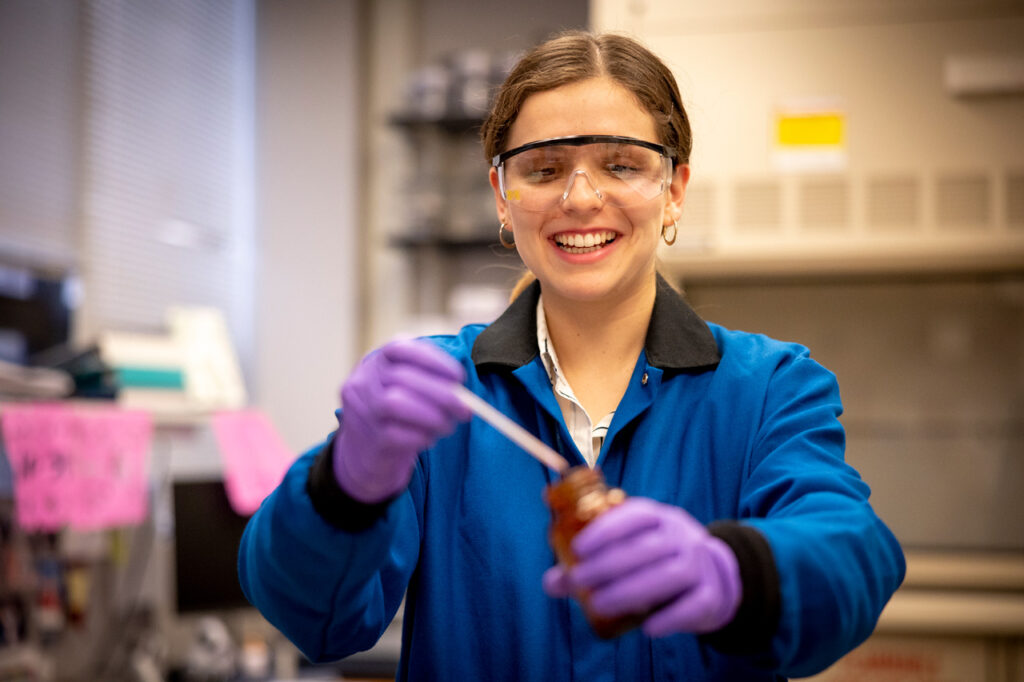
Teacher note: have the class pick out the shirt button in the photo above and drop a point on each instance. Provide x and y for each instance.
(643, 379)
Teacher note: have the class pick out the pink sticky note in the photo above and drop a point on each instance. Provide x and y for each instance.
(84, 468)
(111, 467)
(254, 456)
(40, 462)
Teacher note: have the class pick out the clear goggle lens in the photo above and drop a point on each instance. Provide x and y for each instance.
(619, 171)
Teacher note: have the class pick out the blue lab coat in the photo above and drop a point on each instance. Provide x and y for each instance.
(738, 429)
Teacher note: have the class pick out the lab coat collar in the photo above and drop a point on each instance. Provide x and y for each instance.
(676, 339)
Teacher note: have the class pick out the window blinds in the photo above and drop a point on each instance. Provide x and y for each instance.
(38, 118)
(166, 160)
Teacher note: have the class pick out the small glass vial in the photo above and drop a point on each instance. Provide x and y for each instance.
(576, 499)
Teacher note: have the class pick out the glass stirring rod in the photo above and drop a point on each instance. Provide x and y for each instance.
(514, 432)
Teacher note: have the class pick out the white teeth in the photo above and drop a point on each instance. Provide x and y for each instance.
(577, 243)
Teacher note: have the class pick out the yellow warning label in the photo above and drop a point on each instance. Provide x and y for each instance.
(815, 130)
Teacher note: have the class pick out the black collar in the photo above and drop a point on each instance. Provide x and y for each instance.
(676, 339)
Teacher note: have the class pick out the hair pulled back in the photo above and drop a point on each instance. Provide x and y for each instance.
(575, 56)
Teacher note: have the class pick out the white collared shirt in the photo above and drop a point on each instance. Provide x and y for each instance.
(588, 436)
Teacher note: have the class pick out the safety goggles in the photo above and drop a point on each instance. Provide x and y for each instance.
(621, 171)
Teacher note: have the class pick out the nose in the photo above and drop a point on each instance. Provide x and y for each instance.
(582, 197)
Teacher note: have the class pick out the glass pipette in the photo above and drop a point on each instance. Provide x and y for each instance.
(513, 431)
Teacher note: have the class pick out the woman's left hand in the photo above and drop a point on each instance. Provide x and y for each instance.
(645, 555)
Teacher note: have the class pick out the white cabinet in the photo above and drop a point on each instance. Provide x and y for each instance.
(914, 175)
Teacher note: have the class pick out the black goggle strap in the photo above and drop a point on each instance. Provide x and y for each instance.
(579, 141)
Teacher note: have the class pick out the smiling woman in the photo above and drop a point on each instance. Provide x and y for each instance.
(585, 158)
(743, 540)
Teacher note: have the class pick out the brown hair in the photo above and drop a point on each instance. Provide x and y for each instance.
(575, 56)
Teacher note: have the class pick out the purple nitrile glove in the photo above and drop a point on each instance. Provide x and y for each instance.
(397, 402)
(646, 555)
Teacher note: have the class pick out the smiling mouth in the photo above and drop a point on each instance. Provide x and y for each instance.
(584, 243)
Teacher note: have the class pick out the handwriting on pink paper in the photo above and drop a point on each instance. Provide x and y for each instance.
(86, 468)
(254, 457)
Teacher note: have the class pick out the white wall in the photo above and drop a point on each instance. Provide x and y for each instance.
(307, 195)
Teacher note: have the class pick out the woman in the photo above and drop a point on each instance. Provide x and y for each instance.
(746, 537)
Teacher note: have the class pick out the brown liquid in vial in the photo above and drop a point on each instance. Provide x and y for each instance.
(579, 497)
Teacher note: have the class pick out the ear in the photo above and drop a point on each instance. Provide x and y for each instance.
(676, 194)
(500, 205)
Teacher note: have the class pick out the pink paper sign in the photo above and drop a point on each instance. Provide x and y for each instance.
(86, 468)
(254, 456)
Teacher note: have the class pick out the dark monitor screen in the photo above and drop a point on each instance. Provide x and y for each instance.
(34, 313)
(207, 532)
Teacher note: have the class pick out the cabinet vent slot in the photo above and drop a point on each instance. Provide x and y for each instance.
(758, 206)
(699, 206)
(1015, 199)
(893, 203)
(824, 205)
(963, 201)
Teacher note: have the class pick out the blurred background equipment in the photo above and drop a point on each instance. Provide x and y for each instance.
(304, 179)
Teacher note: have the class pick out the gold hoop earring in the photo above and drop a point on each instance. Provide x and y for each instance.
(507, 237)
(675, 233)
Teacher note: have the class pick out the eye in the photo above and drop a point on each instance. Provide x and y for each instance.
(623, 161)
(622, 170)
(543, 174)
(538, 167)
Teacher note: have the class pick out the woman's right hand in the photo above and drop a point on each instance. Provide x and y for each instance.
(397, 402)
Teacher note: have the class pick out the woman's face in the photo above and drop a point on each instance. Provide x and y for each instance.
(622, 260)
